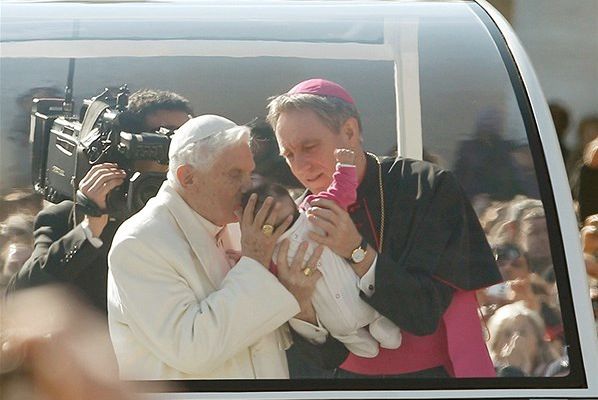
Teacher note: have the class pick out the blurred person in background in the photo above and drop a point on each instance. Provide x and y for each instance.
(484, 165)
(75, 251)
(13, 257)
(517, 344)
(587, 196)
(524, 224)
(560, 117)
(493, 215)
(17, 228)
(533, 239)
(525, 177)
(24, 201)
(520, 243)
(513, 267)
(16, 245)
(520, 285)
(589, 244)
(588, 181)
(587, 131)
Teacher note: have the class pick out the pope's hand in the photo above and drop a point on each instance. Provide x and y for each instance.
(258, 235)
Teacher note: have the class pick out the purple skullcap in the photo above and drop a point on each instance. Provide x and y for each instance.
(322, 87)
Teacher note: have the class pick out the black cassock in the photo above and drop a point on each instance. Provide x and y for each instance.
(432, 244)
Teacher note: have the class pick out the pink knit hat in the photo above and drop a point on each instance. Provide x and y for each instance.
(322, 87)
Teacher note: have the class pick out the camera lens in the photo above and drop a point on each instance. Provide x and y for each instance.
(143, 187)
(145, 191)
(116, 200)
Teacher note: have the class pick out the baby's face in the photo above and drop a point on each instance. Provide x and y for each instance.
(287, 207)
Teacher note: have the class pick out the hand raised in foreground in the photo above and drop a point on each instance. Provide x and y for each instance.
(46, 341)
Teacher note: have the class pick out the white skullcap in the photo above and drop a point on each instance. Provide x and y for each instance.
(196, 129)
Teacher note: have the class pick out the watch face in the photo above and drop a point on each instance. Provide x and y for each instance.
(358, 255)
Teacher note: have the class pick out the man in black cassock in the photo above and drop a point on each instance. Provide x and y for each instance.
(412, 238)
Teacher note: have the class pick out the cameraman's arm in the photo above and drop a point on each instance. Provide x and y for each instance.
(61, 253)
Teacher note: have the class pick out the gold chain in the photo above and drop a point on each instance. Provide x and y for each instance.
(381, 201)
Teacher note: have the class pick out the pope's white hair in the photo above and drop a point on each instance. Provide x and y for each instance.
(202, 154)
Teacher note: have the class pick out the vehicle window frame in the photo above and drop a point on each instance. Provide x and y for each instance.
(447, 387)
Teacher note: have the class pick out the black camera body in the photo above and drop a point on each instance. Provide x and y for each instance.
(65, 148)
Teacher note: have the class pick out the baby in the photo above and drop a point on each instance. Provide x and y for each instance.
(336, 297)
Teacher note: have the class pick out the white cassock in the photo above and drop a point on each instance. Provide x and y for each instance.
(176, 310)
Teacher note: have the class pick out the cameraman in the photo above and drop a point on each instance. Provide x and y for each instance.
(73, 248)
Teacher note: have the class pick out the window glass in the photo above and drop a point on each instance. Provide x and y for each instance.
(473, 124)
(429, 80)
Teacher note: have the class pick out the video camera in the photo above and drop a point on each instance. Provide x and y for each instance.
(66, 147)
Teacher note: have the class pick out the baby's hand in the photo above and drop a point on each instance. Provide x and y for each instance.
(344, 156)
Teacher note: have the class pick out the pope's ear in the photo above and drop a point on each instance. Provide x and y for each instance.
(184, 175)
(350, 129)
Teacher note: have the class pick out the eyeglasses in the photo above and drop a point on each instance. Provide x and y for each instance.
(505, 254)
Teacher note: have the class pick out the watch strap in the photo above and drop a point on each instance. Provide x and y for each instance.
(363, 246)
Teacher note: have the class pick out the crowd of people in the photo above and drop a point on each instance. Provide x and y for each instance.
(518, 234)
(221, 275)
(19, 209)
(582, 169)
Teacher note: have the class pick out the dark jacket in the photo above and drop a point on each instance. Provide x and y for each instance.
(62, 254)
(433, 245)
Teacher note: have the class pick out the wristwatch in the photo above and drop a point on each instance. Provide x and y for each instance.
(358, 255)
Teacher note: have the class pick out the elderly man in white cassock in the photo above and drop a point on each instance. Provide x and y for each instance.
(178, 306)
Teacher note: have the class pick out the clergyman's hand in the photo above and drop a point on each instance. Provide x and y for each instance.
(340, 233)
(257, 243)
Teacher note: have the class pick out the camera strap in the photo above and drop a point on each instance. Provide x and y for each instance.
(96, 108)
(82, 203)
